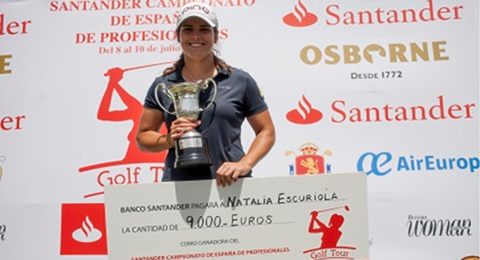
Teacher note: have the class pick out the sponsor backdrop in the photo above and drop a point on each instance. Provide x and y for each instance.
(389, 88)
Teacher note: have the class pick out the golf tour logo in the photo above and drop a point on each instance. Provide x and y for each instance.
(331, 234)
(126, 170)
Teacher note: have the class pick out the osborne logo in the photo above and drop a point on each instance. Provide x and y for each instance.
(309, 162)
(300, 17)
(126, 170)
(83, 230)
(331, 234)
(5, 62)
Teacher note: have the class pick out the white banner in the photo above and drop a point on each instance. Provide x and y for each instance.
(308, 217)
(387, 87)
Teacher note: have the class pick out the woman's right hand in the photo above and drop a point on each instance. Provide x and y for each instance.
(182, 125)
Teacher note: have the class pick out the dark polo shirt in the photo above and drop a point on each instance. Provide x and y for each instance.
(238, 97)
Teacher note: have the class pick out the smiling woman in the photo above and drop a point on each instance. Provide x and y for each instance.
(232, 96)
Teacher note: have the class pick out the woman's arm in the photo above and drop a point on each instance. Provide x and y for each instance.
(149, 138)
(264, 129)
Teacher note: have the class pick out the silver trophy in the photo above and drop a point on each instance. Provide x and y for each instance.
(190, 149)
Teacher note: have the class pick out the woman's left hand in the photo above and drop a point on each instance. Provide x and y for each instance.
(229, 172)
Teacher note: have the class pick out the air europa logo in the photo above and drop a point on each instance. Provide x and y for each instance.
(384, 163)
(300, 17)
(342, 111)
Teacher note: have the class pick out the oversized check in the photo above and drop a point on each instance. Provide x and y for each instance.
(292, 218)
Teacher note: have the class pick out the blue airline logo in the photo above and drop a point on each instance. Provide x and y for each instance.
(384, 163)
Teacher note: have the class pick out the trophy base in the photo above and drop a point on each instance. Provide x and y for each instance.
(191, 151)
(193, 160)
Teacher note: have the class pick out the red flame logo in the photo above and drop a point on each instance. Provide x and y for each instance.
(304, 113)
(300, 17)
(87, 233)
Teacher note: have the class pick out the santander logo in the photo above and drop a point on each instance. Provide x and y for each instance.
(300, 17)
(83, 229)
(304, 114)
(345, 111)
(87, 233)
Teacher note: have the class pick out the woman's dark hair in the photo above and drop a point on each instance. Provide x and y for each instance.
(181, 61)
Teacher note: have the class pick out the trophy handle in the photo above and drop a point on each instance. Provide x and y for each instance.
(162, 85)
(205, 86)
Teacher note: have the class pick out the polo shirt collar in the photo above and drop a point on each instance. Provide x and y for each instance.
(176, 76)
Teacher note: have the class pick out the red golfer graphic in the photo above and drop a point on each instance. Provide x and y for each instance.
(331, 233)
(132, 113)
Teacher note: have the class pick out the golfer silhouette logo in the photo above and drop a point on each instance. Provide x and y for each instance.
(131, 112)
(331, 234)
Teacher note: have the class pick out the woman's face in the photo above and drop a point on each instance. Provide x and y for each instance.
(197, 38)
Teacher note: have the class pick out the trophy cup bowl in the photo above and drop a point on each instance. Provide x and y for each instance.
(190, 149)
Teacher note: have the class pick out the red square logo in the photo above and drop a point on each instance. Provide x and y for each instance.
(83, 230)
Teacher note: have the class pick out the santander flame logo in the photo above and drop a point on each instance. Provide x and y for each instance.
(83, 229)
(304, 114)
(87, 233)
(300, 17)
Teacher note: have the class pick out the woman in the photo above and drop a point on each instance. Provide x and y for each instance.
(237, 98)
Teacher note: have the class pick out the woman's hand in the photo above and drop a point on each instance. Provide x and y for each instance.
(229, 172)
(182, 125)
